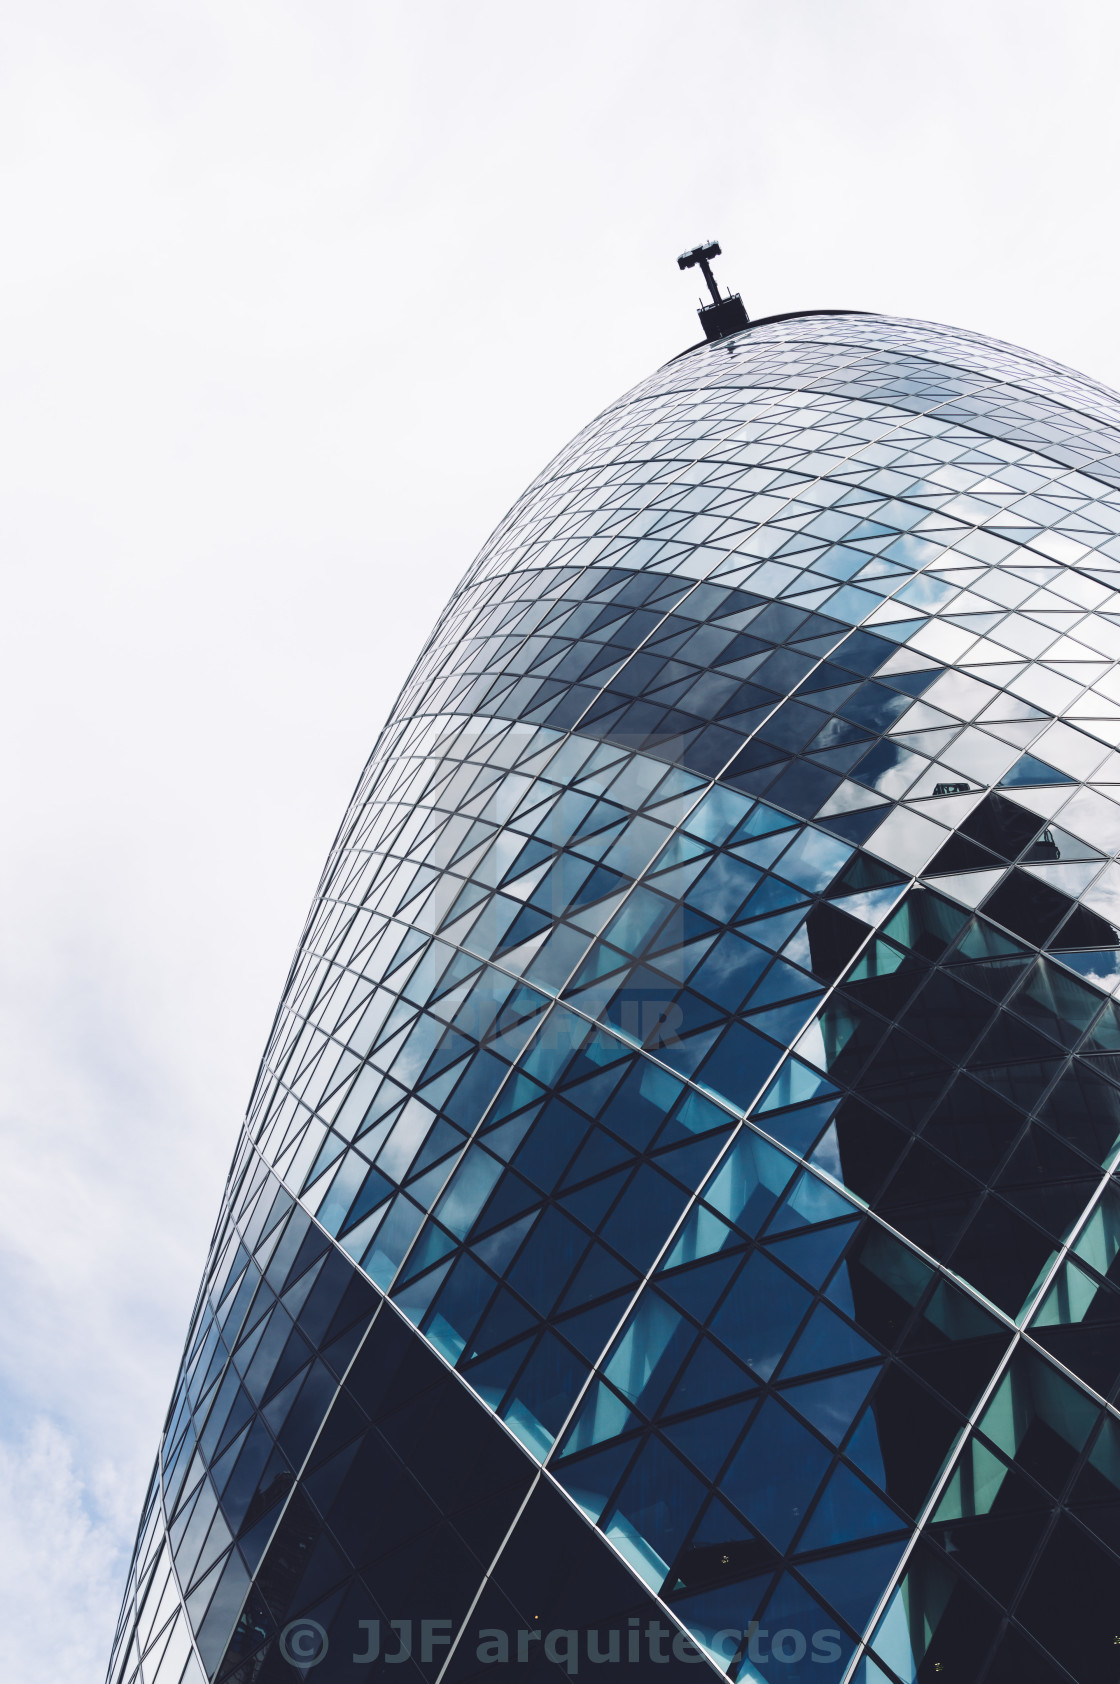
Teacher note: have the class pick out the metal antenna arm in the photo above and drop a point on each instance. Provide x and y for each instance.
(723, 315)
(706, 271)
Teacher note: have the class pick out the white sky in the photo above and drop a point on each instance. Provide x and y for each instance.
(294, 299)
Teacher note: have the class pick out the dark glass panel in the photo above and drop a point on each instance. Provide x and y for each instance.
(1027, 907)
(1079, 1322)
(804, 788)
(973, 1126)
(849, 1035)
(1022, 1083)
(959, 854)
(558, 1574)
(990, 1520)
(915, 1432)
(1016, 1659)
(900, 1059)
(709, 1377)
(811, 1254)
(1057, 1004)
(552, 1376)
(928, 1199)
(1095, 1498)
(1047, 1180)
(1010, 1040)
(885, 977)
(947, 1015)
(721, 1552)
(643, 1217)
(831, 1405)
(1003, 827)
(1039, 1420)
(954, 1346)
(925, 923)
(706, 1439)
(866, 1147)
(834, 939)
(879, 1284)
(1070, 1604)
(548, 1259)
(1002, 1254)
(1085, 1110)
(937, 1625)
(827, 1341)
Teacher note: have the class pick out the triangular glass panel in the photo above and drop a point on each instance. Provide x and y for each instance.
(591, 1481)
(1028, 770)
(853, 1582)
(827, 1342)
(811, 1255)
(967, 887)
(831, 1405)
(707, 1439)
(1070, 879)
(1101, 967)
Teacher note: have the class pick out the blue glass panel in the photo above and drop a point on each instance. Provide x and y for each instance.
(654, 1509)
(697, 1289)
(649, 1352)
(701, 1235)
(731, 970)
(646, 1212)
(833, 1404)
(723, 887)
(599, 1273)
(706, 1439)
(590, 1480)
(461, 1301)
(749, 1181)
(543, 1391)
(589, 1204)
(760, 1315)
(468, 1191)
(548, 1259)
(719, 814)
(853, 1582)
(847, 1509)
(740, 1064)
(709, 1376)
(720, 1618)
(808, 1201)
(392, 1240)
(827, 1342)
(775, 1473)
(637, 1110)
(811, 1254)
(794, 1633)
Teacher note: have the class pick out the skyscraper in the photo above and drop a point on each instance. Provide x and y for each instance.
(673, 1224)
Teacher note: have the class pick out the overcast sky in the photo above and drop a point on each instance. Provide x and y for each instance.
(294, 299)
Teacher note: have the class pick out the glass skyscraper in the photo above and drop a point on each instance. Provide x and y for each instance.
(674, 1223)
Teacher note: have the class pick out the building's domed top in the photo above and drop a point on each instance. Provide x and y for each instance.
(678, 1184)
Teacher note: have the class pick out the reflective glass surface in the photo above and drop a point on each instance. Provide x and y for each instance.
(676, 1207)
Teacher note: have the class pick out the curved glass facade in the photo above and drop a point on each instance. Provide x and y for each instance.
(674, 1221)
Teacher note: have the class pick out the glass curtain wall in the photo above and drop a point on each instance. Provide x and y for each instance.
(674, 1221)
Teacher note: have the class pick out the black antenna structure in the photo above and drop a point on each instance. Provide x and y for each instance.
(723, 315)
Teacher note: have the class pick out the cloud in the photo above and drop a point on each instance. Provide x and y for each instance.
(61, 1560)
